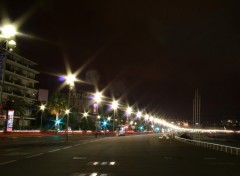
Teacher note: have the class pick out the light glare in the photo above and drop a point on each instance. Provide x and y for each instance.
(67, 111)
(70, 79)
(114, 105)
(98, 97)
(42, 107)
(8, 31)
(129, 110)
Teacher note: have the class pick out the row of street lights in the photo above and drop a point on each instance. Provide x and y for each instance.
(8, 32)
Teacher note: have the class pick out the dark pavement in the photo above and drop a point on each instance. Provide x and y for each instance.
(126, 155)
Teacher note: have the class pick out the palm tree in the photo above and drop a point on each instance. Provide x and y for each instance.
(57, 105)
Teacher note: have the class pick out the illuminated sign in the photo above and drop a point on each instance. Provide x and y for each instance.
(10, 120)
(95, 108)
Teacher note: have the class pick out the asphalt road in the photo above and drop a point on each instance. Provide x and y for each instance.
(104, 156)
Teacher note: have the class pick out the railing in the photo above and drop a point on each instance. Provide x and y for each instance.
(218, 147)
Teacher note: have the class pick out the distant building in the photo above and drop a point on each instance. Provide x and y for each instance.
(80, 101)
(43, 95)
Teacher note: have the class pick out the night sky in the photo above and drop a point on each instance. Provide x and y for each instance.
(153, 54)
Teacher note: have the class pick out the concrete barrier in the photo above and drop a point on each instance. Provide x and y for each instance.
(218, 147)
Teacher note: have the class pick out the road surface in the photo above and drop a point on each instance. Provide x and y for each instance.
(111, 156)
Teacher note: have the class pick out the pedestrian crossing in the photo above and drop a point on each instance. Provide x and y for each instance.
(91, 174)
(98, 165)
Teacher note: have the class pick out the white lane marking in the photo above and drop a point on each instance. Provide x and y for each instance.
(77, 157)
(34, 155)
(210, 158)
(8, 162)
(54, 150)
(112, 163)
(67, 147)
(95, 163)
(77, 145)
(89, 174)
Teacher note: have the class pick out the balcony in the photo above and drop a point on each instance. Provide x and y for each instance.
(19, 84)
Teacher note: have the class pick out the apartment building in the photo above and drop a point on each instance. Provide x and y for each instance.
(18, 78)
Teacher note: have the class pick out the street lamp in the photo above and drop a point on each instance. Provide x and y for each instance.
(70, 82)
(42, 108)
(114, 107)
(85, 114)
(129, 111)
(139, 114)
(8, 31)
(98, 97)
(67, 112)
(6, 44)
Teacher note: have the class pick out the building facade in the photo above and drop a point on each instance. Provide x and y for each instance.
(80, 101)
(18, 80)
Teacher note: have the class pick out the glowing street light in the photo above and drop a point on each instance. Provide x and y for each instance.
(139, 114)
(8, 31)
(129, 111)
(70, 79)
(98, 97)
(146, 117)
(85, 114)
(114, 105)
(67, 111)
(42, 108)
(12, 44)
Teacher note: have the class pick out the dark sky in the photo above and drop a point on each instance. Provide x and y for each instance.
(153, 53)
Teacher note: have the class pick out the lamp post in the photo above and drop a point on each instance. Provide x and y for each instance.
(42, 108)
(70, 82)
(97, 99)
(85, 114)
(97, 124)
(114, 107)
(129, 111)
(67, 112)
(6, 44)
